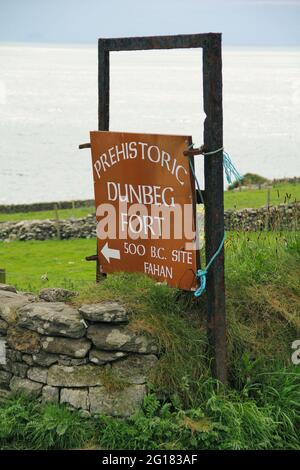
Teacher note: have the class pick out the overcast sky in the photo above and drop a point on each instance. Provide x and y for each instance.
(242, 22)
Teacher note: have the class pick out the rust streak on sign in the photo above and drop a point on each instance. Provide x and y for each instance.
(145, 181)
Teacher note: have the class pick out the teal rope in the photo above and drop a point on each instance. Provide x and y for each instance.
(230, 171)
(202, 273)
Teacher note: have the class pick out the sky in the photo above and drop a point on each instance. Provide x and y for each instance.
(242, 22)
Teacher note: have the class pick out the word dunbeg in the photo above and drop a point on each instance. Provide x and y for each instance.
(145, 206)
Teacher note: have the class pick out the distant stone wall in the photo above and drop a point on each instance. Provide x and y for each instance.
(84, 227)
(45, 206)
(87, 357)
(282, 217)
(294, 180)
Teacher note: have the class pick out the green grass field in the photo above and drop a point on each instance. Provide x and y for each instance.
(63, 262)
(279, 194)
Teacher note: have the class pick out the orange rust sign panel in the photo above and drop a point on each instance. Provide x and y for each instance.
(145, 207)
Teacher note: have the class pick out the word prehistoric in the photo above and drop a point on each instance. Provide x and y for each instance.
(131, 150)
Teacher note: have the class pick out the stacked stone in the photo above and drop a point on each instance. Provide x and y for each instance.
(84, 227)
(75, 356)
(282, 217)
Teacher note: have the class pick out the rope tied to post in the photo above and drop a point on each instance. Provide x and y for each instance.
(202, 273)
(230, 172)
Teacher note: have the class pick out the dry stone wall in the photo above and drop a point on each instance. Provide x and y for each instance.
(87, 357)
(282, 217)
(84, 227)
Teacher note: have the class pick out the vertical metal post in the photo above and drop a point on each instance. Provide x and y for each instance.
(214, 203)
(103, 86)
(103, 109)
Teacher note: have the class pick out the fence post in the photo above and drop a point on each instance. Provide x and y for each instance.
(73, 209)
(214, 203)
(268, 197)
(57, 221)
(2, 276)
(267, 216)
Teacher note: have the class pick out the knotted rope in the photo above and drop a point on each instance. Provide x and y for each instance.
(231, 172)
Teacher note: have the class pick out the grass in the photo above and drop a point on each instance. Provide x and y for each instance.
(281, 193)
(63, 263)
(262, 416)
(25, 423)
(261, 407)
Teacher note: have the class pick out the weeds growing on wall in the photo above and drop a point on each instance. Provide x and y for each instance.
(264, 415)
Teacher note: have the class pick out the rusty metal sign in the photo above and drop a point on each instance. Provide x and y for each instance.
(145, 206)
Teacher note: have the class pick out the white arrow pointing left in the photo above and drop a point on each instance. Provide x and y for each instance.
(109, 253)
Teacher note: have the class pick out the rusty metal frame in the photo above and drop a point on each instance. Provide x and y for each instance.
(213, 164)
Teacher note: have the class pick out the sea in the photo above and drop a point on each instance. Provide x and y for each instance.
(48, 106)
